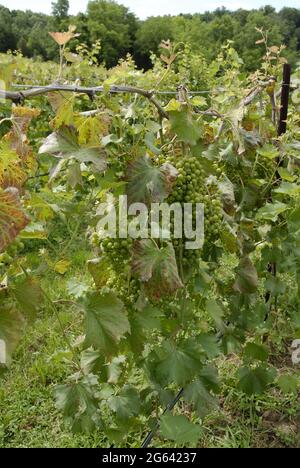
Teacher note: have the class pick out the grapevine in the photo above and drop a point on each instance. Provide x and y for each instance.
(156, 318)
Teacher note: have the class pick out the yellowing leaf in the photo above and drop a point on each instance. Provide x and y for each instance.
(62, 266)
(64, 113)
(62, 38)
(91, 129)
(17, 137)
(11, 173)
(57, 99)
(23, 116)
(12, 218)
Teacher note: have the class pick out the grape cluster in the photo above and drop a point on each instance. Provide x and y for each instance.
(128, 289)
(265, 169)
(118, 254)
(117, 251)
(191, 187)
(236, 173)
(7, 257)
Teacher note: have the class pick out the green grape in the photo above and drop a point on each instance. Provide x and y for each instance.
(190, 187)
(265, 169)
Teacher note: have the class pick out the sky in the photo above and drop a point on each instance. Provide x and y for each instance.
(145, 8)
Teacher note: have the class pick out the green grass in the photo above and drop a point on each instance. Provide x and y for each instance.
(28, 417)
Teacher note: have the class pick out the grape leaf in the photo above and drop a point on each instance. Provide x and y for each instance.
(288, 383)
(17, 137)
(149, 183)
(199, 393)
(179, 429)
(210, 344)
(34, 231)
(77, 288)
(99, 268)
(12, 218)
(255, 351)
(65, 111)
(126, 404)
(268, 151)
(115, 369)
(61, 266)
(78, 404)
(62, 38)
(91, 129)
(288, 188)
(105, 321)
(184, 125)
(246, 277)
(156, 267)
(180, 363)
(11, 173)
(255, 381)
(29, 295)
(271, 211)
(216, 312)
(64, 144)
(91, 361)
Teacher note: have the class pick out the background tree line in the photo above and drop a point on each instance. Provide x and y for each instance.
(121, 32)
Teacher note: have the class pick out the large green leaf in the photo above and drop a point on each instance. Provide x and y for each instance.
(64, 144)
(199, 393)
(268, 151)
(287, 188)
(179, 429)
(184, 125)
(288, 383)
(216, 312)
(149, 318)
(255, 351)
(255, 381)
(105, 321)
(92, 361)
(29, 296)
(271, 211)
(209, 344)
(146, 183)
(126, 404)
(77, 287)
(79, 405)
(179, 364)
(156, 267)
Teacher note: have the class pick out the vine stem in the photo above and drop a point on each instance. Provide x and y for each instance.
(68, 342)
(18, 97)
(169, 407)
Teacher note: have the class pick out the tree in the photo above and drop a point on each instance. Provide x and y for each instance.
(7, 40)
(60, 9)
(149, 37)
(115, 26)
